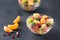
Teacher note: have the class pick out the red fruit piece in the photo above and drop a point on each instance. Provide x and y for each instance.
(13, 37)
(35, 28)
(47, 25)
(46, 18)
(9, 34)
(20, 0)
(45, 30)
(4, 34)
(40, 17)
(38, 25)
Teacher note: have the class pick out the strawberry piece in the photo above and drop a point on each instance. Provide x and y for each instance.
(35, 28)
(38, 25)
(20, 0)
(4, 34)
(9, 34)
(13, 37)
(45, 30)
(40, 17)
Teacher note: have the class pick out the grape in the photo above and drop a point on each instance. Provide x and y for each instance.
(33, 24)
(35, 1)
(30, 20)
(37, 19)
(24, 1)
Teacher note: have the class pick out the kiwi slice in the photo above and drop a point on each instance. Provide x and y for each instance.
(35, 1)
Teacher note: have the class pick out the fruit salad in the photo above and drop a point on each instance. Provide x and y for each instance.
(39, 23)
(29, 5)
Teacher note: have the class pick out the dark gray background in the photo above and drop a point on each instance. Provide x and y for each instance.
(9, 10)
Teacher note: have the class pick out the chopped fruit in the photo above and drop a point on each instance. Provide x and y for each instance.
(45, 29)
(30, 20)
(36, 15)
(4, 34)
(39, 1)
(35, 29)
(40, 17)
(13, 37)
(50, 21)
(42, 21)
(37, 22)
(41, 24)
(44, 16)
(24, 1)
(32, 24)
(38, 25)
(30, 2)
(41, 31)
(47, 25)
(19, 0)
(17, 19)
(37, 19)
(35, 1)
(9, 34)
(6, 29)
(14, 26)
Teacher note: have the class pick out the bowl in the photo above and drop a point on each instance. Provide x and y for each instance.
(29, 5)
(40, 31)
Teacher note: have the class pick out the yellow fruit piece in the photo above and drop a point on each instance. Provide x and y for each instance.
(30, 2)
(14, 26)
(6, 29)
(17, 19)
(36, 15)
(37, 21)
(44, 16)
(42, 21)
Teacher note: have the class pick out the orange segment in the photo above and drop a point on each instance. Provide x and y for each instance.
(6, 29)
(45, 16)
(42, 21)
(14, 26)
(17, 19)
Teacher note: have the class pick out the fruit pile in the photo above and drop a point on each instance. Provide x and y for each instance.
(11, 27)
(39, 23)
(29, 5)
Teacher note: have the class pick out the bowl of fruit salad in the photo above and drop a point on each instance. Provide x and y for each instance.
(39, 23)
(29, 5)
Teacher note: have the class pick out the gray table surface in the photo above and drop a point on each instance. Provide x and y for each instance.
(9, 10)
